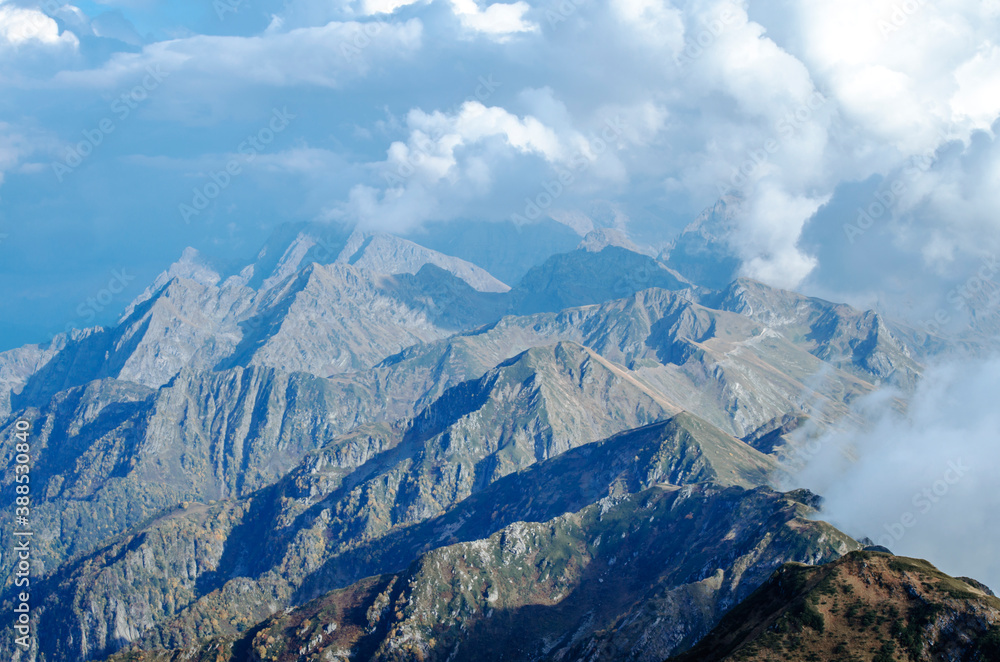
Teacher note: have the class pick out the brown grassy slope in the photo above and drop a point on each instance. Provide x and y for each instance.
(866, 606)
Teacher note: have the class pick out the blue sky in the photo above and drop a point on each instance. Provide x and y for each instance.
(398, 113)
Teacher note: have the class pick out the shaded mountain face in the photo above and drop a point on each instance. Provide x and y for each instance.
(867, 605)
(563, 585)
(347, 405)
(111, 454)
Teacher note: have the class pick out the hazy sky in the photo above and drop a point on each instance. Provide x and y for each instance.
(118, 121)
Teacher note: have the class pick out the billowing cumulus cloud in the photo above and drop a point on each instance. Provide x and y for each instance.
(453, 152)
(25, 27)
(498, 20)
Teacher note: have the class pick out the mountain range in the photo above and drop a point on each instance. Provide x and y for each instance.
(354, 446)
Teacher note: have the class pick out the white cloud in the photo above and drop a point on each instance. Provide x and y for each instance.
(928, 64)
(950, 209)
(655, 22)
(768, 238)
(896, 84)
(699, 89)
(450, 156)
(20, 26)
(499, 20)
(17, 144)
(370, 7)
(978, 96)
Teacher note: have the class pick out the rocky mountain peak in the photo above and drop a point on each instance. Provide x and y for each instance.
(703, 252)
(597, 240)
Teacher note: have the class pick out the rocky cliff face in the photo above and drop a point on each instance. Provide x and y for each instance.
(111, 454)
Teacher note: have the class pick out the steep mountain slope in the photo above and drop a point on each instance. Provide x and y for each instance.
(288, 543)
(192, 266)
(109, 455)
(196, 316)
(18, 365)
(682, 450)
(843, 336)
(184, 324)
(867, 605)
(247, 440)
(387, 254)
(598, 239)
(558, 584)
(348, 315)
(295, 246)
(339, 318)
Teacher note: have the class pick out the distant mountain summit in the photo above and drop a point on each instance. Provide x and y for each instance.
(597, 240)
(702, 252)
(294, 246)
